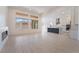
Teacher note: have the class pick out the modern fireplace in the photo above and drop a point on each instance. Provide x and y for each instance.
(3, 35)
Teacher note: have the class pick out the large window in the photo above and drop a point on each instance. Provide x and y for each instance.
(25, 23)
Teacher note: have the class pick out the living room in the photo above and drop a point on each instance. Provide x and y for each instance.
(39, 29)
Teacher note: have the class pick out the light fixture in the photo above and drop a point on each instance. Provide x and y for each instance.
(62, 12)
(29, 9)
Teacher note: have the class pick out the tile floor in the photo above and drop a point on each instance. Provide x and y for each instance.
(41, 43)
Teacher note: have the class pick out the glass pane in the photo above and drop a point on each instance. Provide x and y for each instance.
(23, 23)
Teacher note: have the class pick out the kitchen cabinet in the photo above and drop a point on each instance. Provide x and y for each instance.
(74, 32)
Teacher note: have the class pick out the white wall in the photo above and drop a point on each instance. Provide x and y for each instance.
(3, 15)
(78, 23)
(74, 30)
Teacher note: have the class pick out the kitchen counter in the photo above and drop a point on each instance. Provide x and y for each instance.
(53, 30)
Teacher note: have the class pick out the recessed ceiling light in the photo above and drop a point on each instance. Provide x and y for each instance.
(39, 12)
(30, 9)
(62, 12)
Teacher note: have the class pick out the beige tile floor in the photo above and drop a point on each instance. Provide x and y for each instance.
(41, 43)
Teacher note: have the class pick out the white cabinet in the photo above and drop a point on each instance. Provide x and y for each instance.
(78, 23)
(76, 13)
(76, 32)
(74, 27)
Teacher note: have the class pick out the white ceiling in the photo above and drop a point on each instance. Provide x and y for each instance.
(40, 9)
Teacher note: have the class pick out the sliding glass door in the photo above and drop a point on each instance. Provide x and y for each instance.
(34, 24)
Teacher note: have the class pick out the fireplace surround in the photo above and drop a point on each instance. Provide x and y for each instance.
(3, 35)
